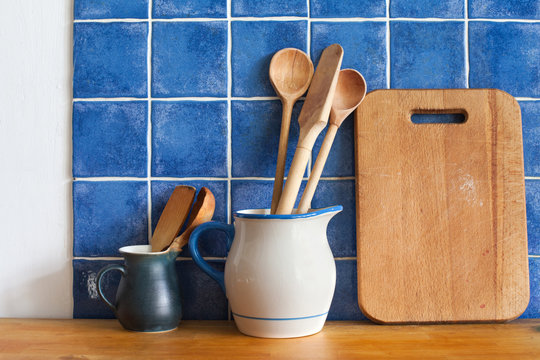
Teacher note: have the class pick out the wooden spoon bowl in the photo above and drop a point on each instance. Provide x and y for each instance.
(290, 73)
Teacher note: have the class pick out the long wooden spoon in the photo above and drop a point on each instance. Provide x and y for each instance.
(350, 92)
(173, 217)
(313, 118)
(202, 212)
(290, 73)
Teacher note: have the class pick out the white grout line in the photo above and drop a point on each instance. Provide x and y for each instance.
(300, 18)
(109, 178)
(229, 112)
(232, 98)
(466, 40)
(149, 128)
(387, 19)
(250, 178)
(534, 256)
(532, 177)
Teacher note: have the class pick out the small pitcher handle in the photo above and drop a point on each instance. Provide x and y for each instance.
(217, 275)
(100, 274)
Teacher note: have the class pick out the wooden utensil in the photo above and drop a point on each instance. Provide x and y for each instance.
(290, 73)
(441, 226)
(350, 91)
(173, 217)
(202, 212)
(313, 118)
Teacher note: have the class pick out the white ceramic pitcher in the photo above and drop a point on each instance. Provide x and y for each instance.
(280, 273)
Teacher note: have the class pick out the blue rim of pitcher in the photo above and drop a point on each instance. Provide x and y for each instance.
(265, 213)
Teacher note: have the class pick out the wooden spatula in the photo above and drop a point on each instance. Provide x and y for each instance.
(173, 217)
(313, 119)
(202, 212)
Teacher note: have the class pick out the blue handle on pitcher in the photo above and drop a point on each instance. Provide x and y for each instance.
(217, 275)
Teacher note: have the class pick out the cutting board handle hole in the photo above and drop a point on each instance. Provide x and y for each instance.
(438, 117)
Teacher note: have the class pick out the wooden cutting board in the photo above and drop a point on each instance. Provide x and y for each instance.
(441, 225)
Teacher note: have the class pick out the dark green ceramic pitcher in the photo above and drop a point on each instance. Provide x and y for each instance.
(148, 296)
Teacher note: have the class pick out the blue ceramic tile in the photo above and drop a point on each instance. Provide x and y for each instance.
(340, 161)
(530, 115)
(427, 55)
(533, 310)
(189, 138)
(189, 59)
(111, 9)
(269, 8)
(363, 45)
(254, 194)
(342, 228)
(108, 215)
(86, 301)
(213, 242)
(202, 297)
(109, 60)
(253, 45)
(167, 9)
(504, 55)
(504, 9)
(256, 129)
(532, 191)
(347, 8)
(109, 138)
(427, 8)
(345, 302)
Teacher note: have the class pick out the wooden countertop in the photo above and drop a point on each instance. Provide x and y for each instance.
(105, 339)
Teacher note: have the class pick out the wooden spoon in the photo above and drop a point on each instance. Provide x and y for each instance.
(290, 73)
(173, 217)
(202, 212)
(350, 92)
(313, 118)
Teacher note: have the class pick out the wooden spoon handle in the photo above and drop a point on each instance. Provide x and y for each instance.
(294, 180)
(314, 177)
(282, 153)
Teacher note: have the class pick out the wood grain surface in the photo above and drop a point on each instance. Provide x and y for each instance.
(105, 339)
(441, 226)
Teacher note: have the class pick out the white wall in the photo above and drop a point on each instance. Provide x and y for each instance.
(35, 158)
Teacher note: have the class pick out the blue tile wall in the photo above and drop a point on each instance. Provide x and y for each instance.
(255, 130)
(427, 9)
(347, 8)
(202, 46)
(427, 55)
(111, 9)
(109, 138)
(169, 9)
(189, 138)
(504, 55)
(109, 59)
(108, 215)
(530, 115)
(504, 9)
(532, 191)
(170, 92)
(261, 8)
(364, 47)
